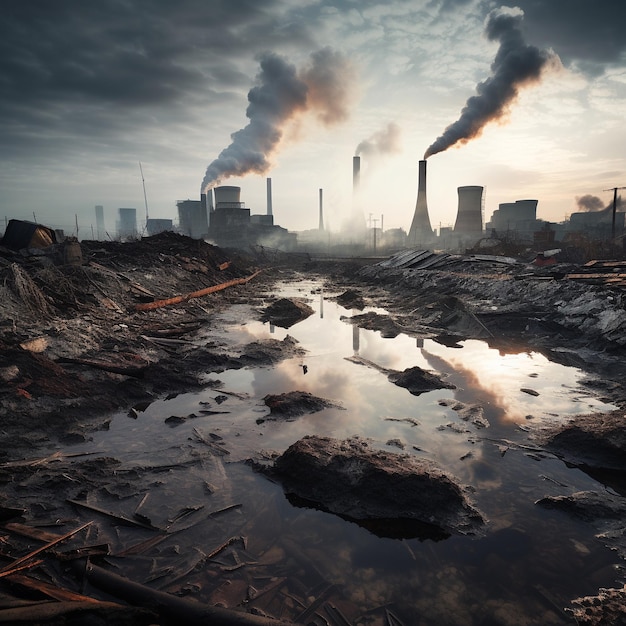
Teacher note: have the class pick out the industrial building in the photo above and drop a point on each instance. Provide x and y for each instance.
(127, 223)
(519, 217)
(232, 225)
(192, 218)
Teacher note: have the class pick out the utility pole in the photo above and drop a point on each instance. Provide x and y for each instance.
(614, 190)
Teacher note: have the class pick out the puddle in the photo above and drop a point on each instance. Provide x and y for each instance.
(530, 564)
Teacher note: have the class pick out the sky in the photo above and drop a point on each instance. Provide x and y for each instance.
(205, 92)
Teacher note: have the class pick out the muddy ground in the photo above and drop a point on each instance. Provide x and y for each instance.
(77, 344)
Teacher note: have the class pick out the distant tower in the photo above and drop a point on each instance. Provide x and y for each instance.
(356, 174)
(269, 196)
(321, 224)
(127, 224)
(100, 222)
(420, 230)
(469, 219)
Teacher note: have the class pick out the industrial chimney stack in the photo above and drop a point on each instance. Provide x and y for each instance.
(421, 230)
(356, 173)
(269, 196)
(321, 224)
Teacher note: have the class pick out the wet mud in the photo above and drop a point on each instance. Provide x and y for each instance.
(75, 348)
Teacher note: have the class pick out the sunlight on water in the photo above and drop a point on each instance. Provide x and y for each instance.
(497, 579)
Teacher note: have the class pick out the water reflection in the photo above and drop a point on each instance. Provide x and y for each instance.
(490, 580)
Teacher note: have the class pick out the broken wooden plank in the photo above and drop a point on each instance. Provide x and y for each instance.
(157, 304)
(52, 591)
(116, 516)
(125, 363)
(30, 532)
(11, 568)
(45, 612)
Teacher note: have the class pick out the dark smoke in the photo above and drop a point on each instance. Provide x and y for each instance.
(385, 141)
(281, 94)
(590, 203)
(516, 65)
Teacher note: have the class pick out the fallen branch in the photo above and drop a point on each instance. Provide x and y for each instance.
(157, 304)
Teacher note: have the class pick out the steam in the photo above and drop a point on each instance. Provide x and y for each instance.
(385, 141)
(516, 65)
(282, 93)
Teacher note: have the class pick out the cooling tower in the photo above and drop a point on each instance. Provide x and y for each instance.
(100, 221)
(469, 219)
(227, 196)
(269, 196)
(421, 229)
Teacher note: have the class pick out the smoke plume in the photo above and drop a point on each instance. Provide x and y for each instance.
(385, 141)
(593, 203)
(515, 65)
(589, 203)
(281, 94)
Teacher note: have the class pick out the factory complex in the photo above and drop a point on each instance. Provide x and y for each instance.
(219, 216)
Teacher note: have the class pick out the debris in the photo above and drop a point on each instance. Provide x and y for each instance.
(149, 306)
(15, 565)
(125, 363)
(116, 516)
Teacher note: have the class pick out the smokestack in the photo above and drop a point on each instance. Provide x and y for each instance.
(269, 196)
(321, 225)
(420, 230)
(469, 219)
(356, 173)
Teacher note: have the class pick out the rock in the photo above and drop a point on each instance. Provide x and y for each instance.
(354, 481)
(351, 300)
(418, 381)
(286, 312)
(594, 441)
(296, 403)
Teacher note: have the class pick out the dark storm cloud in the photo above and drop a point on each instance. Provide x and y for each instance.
(84, 69)
(585, 32)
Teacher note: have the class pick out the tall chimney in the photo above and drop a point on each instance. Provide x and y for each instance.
(356, 173)
(321, 225)
(421, 231)
(269, 196)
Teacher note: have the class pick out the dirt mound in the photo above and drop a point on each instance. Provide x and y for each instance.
(286, 312)
(296, 403)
